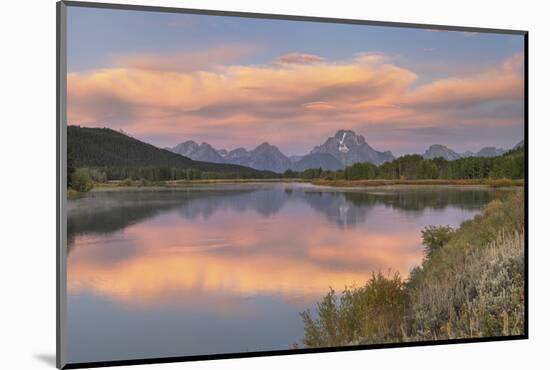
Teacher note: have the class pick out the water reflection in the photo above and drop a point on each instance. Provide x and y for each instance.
(245, 258)
(111, 211)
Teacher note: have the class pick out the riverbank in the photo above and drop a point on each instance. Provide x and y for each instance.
(159, 185)
(470, 285)
(494, 183)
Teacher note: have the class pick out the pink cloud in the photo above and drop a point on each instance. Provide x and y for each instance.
(176, 258)
(198, 96)
(194, 61)
(504, 82)
(318, 105)
(299, 58)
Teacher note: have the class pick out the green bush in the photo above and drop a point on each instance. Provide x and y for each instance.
(435, 237)
(81, 180)
(498, 306)
(372, 313)
(448, 281)
(471, 284)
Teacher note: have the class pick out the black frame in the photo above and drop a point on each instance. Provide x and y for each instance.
(61, 118)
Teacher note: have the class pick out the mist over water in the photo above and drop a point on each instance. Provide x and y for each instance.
(228, 268)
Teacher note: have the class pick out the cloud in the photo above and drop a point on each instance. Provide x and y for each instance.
(199, 95)
(254, 91)
(166, 265)
(372, 58)
(299, 58)
(502, 83)
(185, 62)
(318, 105)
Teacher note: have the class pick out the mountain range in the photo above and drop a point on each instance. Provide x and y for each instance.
(104, 147)
(438, 150)
(343, 149)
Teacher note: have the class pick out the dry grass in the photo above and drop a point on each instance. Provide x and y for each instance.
(473, 286)
(187, 183)
(481, 297)
(496, 183)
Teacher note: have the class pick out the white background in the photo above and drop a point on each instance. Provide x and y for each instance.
(27, 209)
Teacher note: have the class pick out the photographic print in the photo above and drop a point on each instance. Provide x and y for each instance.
(241, 184)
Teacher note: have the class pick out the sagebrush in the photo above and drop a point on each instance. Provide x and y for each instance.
(470, 284)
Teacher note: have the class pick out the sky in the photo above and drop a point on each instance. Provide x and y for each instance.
(237, 82)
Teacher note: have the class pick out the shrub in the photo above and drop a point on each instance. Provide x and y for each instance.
(471, 284)
(372, 313)
(448, 281)
(498, 307)
(81, 180)
(435, 237)
(126, 182)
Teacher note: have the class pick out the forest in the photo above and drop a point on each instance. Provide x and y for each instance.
(511, 165)
(109, 150)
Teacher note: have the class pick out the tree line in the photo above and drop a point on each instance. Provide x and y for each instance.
(82, 179)
(413, 166)
(409, 167)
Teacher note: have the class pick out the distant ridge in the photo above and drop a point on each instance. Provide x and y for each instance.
(441, 151)
(104, 147)
(519, 145)
(343, 149)
(203, 152)
(264, 157)
(490, 151)
(325, 161)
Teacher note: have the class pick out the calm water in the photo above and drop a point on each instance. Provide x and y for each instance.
(228, 268)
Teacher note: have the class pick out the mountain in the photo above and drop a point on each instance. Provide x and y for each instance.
(325, 161)
(518, 145)
(467, 154)
(269, 157)
(203, 152)
(437, 150)
(264, 157)
(350, 148)
(490, 151)
(343, 149)
(103, 147)
(186, 149)
(236, 154)
(295, 158)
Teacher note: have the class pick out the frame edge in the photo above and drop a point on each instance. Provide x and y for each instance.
(61, 196)
(288, 17)
(61, 183)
